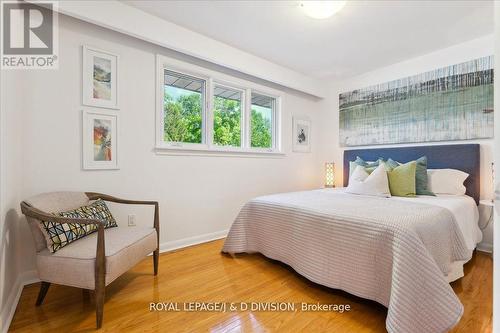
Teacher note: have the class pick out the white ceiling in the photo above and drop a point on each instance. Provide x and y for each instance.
(364, 36)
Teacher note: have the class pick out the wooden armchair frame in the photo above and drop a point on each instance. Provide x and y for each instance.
(100, 262)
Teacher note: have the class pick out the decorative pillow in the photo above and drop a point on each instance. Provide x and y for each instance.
(59, 235)
(391, 164)
(446, 181)
(375, 184)
(402, 179)
(420, 175)
(369, 166)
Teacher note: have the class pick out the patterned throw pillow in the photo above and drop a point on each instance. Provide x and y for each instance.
(59, 235)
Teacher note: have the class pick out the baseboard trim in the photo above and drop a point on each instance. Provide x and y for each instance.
(9, 309)
(485, 247)
(185, 242)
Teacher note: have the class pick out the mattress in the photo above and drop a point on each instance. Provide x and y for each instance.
(463, 208)
(466, 214)
(396, 251)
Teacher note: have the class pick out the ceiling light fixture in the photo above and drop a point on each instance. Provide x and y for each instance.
(321, 9)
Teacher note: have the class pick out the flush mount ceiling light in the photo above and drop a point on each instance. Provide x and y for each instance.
(321, 9)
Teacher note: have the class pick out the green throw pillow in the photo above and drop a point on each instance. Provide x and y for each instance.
(402, 179)
(420, 175)
(58, 235)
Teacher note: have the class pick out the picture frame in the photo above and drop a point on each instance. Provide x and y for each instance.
(99, 140)
(301, 135)
(99, 78)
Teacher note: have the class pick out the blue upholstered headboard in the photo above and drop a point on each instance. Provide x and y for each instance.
(462, 157)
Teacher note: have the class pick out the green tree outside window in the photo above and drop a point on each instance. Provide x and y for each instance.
(183, 120)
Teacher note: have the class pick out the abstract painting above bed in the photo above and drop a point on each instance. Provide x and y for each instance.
(450, 103)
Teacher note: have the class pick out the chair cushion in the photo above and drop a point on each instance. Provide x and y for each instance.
(74, 265)
(59, 235)
(52, 202)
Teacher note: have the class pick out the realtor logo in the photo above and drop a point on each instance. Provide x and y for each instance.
(29, 35)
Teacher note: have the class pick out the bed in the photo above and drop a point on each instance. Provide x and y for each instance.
(400, 252)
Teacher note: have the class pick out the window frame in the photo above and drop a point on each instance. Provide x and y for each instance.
(212, 79)
(275, 135)
(204, 106)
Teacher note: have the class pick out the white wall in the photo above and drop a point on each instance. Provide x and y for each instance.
(198, 195)
(496, 254)
(15, 262)
(453, 55)
(8, 187)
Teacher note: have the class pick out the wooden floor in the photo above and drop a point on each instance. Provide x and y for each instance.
(201, 273)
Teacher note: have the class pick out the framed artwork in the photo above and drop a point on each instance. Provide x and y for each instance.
(100, 78)
(301, 135)
(447, 104)
(99, 140)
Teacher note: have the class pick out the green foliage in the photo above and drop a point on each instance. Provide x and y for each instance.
(227, 122)
(261, 131)
(183, 122)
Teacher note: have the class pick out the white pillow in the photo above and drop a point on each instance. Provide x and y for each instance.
(446, 181)
(375, 184)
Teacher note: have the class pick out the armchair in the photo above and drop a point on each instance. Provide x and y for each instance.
(96, 260)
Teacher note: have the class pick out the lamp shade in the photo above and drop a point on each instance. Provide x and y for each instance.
(329, 174)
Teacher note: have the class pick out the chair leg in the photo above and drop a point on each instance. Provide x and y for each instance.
(156, 255)
(100, 278)
(99, 304)
(43, 291)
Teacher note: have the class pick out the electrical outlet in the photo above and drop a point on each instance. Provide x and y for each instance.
(131, 220)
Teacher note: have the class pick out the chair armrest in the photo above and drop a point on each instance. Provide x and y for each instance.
(36, 213)
(105, 197)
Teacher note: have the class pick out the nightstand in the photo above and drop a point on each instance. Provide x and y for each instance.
(488, 204)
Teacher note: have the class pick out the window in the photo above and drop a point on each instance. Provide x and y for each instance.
(183, 108)
(261, 123)
(204, 111)
(227, 116)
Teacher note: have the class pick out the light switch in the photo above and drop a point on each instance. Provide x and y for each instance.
(131, 220)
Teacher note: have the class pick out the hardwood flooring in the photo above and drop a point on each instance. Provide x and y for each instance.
(200, 273)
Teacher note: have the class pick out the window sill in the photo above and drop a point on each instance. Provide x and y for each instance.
(217, 152)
